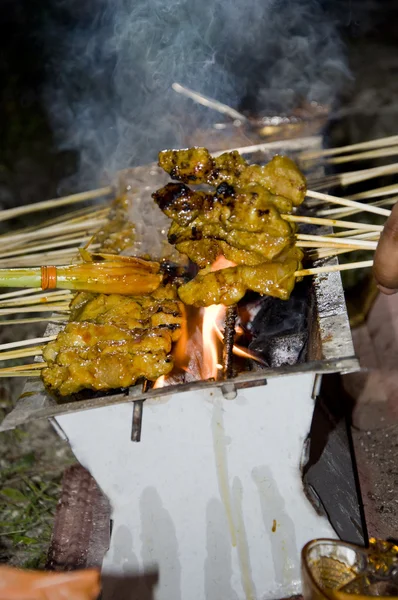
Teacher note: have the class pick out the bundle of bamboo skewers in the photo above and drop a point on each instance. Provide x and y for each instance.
(57, 241)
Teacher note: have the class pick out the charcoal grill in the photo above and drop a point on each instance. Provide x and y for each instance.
(210, 490)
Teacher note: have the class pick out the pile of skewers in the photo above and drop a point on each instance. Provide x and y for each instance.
(58, 241)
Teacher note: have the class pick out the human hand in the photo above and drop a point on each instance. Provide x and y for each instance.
(385, 266)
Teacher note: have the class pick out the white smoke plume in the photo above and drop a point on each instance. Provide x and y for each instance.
(113, 63)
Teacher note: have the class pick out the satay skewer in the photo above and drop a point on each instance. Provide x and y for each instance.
(370, 155)
(347, 212)
(11, 213)
(330, 222)
(351, 177)
(209, 102)
(377, 143)
(53, 319)
(364, 264)
(377, 210)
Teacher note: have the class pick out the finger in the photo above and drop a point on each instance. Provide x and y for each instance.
(387, 291)
(386, 258)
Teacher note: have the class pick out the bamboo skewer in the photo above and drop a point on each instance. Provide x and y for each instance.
(347, 212)
(32, 366)
(55, 258)
(30, 292)
(345, 241)
(10, 213)
(209, 102)
(53, 319)
(57, 244)
(353, 233)
(371, 154)
(22, 353)
(344, 179)
(331, 222)
(13, 240)
(377, 143)
(385, 190)
(325, 253)
(42, 300)
(52, 306)
(38, 295)
(350, 203)
(60, 223)
(331, 244)
(11, 373)
(333, 268)
(26, 291)
(29, 342)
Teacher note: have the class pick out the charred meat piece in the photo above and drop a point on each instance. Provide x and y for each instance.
(194, 165)
(179, 202)
(247, 220)
(280, 176)
(114, 340)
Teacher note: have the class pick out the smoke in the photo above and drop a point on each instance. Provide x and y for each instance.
(112, 64)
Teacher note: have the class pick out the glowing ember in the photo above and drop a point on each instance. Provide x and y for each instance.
(239, 350)
(221, 263)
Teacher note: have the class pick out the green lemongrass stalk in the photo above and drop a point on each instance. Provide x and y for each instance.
(108, 274)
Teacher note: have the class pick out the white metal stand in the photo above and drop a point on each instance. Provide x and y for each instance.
(211, 496)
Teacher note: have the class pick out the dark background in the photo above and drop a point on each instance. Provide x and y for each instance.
(32, 166)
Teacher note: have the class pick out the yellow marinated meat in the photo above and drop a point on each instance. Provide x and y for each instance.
(229, 285)
(86, 336)
(104, 371)
(205, 251)
(241, 221)
(267, 244)
(129, 312)
(281, 176)
(113, 340)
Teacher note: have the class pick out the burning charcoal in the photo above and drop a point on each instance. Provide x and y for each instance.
(280, 328)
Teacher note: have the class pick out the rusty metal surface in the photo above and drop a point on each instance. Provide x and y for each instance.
(81, 532)
(229, 338)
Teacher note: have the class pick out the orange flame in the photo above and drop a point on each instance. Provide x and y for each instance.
(211, 366)
(221, 263)
(159, 383)
(180, 352)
